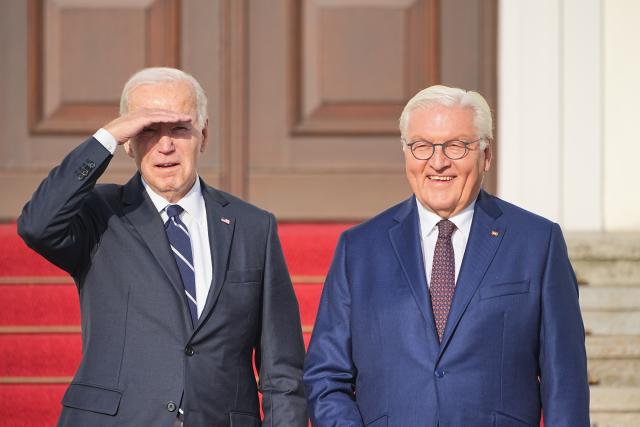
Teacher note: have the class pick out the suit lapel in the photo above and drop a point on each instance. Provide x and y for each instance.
(221, 227)
(481, 248)
(142, 214)
(405, 238)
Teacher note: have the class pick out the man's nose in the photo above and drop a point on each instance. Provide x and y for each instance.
(439, 160)
(165, 144)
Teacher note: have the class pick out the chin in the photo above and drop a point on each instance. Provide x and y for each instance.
(437, 199)
(163, 187)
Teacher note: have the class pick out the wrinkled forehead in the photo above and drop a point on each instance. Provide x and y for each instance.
(176, 96)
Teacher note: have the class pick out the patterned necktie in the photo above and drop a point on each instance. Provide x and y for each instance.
(443, 276)
(180, 242)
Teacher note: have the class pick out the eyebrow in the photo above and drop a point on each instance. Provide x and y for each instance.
(460, 138)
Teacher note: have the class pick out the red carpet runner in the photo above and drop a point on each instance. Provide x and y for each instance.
(40, 318)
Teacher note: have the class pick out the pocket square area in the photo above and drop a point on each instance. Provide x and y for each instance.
(503, 289)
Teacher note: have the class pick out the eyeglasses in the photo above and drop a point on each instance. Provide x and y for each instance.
(454, 149)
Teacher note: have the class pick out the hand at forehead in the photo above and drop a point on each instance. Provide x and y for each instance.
(130, 124)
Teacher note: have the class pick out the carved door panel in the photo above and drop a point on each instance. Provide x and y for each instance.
(304, 95)
(327, 80)
(65, 62)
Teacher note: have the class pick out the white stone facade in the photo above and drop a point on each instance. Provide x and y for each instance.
(568, 82)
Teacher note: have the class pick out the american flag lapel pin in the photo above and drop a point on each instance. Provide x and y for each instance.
(494, 233)
(226, 220)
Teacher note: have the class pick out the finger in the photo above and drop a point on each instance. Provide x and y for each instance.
(165, 116)
(131, 124)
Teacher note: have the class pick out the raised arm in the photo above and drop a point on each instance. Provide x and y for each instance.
(57, 222)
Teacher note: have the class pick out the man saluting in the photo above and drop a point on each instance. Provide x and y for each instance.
(179, 283)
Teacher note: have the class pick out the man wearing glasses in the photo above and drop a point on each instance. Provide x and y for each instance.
(452, 308)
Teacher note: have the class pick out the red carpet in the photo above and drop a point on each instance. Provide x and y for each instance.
(40, 318)
(30, 405)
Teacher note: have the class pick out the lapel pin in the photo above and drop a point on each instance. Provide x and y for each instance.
(494, 233)
(225, 220)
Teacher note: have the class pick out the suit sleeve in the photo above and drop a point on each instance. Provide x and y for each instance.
(330, 373)
(563, 361)
(57, 222)
(281, 350)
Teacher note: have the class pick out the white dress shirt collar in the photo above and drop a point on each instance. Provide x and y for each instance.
(192, 202)
(429, 235)
(429, 220)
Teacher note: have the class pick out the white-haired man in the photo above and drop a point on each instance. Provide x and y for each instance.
(453, 308)
(180, 284)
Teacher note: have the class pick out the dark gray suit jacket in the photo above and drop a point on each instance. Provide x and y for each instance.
(141, 356)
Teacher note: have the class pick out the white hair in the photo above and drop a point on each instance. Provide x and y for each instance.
(451, 97)
(156, 75)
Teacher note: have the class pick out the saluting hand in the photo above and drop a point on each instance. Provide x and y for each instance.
(131, 124)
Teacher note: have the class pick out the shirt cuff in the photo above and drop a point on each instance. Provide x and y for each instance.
(107, 140)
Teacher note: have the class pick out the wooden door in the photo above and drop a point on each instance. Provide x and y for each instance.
(304, 95)
(327, 81)
(64, 63)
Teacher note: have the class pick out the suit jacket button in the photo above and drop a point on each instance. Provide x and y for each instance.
(440, 372)
(189, 351)
(171, 406)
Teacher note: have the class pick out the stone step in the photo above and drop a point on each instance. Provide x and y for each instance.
(615, 399)
(612, 323)
(609, 265)
(608, 273)
(603, 246)
(613, 347)
(614, 372)
(615, 419)
(610, 298)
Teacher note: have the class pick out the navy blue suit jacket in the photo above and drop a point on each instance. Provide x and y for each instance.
(513, 343)
(141, 355)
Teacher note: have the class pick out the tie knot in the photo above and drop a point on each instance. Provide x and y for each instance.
(174, 210)
(445, 229)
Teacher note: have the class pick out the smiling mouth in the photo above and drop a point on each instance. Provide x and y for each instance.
(440, 178)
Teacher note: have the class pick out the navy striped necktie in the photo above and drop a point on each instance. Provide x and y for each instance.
(180, 242)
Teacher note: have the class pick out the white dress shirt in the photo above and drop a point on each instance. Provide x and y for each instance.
(429, 235)
(107, 140)
(194, 217)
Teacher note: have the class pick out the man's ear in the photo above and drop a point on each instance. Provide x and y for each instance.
(129, 149)
(205, 135)
(488, 155)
